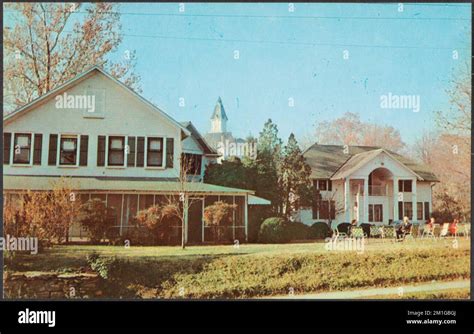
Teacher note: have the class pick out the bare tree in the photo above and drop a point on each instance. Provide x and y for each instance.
(47, 44)
(176, 204)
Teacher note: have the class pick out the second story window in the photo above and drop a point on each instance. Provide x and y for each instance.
(116, 151)
(405, 186)
(68, 151)
(22, 148)
(154, 152)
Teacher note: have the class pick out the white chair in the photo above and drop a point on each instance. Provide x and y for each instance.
(444, 231)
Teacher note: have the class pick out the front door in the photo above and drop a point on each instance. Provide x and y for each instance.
(195, 220)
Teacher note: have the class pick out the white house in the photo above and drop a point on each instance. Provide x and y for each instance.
(370, 184)
(116, 146)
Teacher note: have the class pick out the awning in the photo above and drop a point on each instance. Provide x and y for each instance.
(254, 200)
(129, 185)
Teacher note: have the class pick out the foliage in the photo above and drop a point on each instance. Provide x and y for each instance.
(96, 218)
(350, 130)
(274, 230)
(320, 230)
(219, 214)
(45, 215)
(48, 45)
(294, 178)
(158, 221)
(232, 173)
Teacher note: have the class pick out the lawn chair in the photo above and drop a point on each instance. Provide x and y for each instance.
(413, 234)
(357, 232)
(375, 231)
(339, 235)
(444, 231)
(389, 233)
(467, 230)
(428, 233)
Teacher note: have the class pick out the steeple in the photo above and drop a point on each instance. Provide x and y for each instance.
(219, 118)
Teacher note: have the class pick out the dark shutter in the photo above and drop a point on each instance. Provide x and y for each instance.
(400, 186)
(131, 152)
(84, 150)
(53, 150)
(324, 210)
(101, 151)
(7, 144)
(329, 185)
(169, 152)
(37, 149)
(140, 151)
(400, 211)
(333, 209)
(371, 213)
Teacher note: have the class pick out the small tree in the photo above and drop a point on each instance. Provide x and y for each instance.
(177, 204)
(51, 213)
(96, 218)
(219, 214)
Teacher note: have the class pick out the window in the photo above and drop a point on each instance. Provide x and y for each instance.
(68, 151)
(324, 209)
(154, 156)
(419, 211)
(322, 185)
(405, 186)
(427, 210)
(116, 151)
(22, 148)
(408, 210)
(375, 213)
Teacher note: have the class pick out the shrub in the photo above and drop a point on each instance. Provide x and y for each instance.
(219, 215)
(274, 230)
(157, 221)
(298, 231)
(97, 219)
(320, 230)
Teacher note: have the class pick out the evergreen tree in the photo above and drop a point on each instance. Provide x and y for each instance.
(294, 178)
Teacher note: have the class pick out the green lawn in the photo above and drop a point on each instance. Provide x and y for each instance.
(256, 269)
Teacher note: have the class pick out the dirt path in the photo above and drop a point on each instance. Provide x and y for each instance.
(368, 293)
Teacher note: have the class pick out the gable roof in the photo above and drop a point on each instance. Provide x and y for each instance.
(74, 81)
(331, 161)
(208, 150)
(219, 111)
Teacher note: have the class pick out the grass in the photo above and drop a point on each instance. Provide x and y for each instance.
(464, 293)
(256, 270)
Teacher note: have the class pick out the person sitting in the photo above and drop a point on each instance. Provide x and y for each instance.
(404, 228)
(453, 227)
(429, 226)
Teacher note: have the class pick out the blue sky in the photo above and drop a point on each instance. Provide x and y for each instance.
(283, 55)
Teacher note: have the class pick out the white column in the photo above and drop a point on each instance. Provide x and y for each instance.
(366, 199)
(395, 198)
(346, 200)
(413, 199)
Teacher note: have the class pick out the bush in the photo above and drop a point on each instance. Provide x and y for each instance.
(157, 221)
(320, 230)
(97, 219)
(298, 231)
(274, 230)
